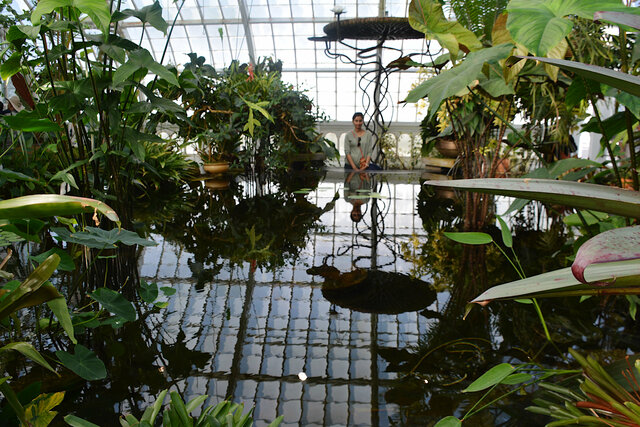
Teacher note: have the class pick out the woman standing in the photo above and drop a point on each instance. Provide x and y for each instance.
(359, 146)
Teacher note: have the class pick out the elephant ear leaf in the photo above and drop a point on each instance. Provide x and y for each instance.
(620, 244)
(541, 25)
(151, 14)
(427, 17)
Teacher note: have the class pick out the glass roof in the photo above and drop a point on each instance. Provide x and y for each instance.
(246, 30)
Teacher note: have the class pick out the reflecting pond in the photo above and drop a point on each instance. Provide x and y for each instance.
(335, 300)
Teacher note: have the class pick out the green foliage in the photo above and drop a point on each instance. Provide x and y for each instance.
(83, 362)
(247, 114)
(427, 16)
(88, 128)
(542, 25)
(178, 413)
(580, 195)
(603, 396)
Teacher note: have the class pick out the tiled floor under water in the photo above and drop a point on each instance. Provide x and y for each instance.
(266, 330)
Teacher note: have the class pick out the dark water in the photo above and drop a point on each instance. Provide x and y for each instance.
(285, 303)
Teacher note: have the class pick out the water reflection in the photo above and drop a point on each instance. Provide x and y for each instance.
(374, 291)
(257, 268)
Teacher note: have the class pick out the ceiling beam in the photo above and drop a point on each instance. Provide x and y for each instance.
(221, 21)
(248, 35)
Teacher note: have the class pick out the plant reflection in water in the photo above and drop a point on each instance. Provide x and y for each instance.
(247, 319)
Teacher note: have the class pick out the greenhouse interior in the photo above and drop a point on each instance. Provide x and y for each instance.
(319, 212)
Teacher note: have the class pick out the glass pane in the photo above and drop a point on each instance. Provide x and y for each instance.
(280, 11)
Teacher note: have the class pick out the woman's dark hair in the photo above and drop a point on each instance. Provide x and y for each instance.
(358, 114)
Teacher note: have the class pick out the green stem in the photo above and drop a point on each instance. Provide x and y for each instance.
(506, 122)
(605, 138)
(544, 324)
(11, 397)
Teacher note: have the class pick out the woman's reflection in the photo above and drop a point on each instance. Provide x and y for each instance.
(357, 191)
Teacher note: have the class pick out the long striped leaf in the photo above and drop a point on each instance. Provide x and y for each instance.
(623, 81)
(44, 205)
(624, 277)
(579, 195)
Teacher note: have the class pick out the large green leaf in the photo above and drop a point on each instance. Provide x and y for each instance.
(84, 363)
(148, 291)
(66, 261)
(97, 10)
(449, 421)
(10, 66)
(619, 244)
(138, 59)
(59, 308)
(74, 421)
(456, 80)
(44, 205)
(470, 237)
(151, 14)
(560, 283)
(541, 25)
(28, 350)
(25, 121)
(39, 412)
(25, 294)
(98, 238)
(115, 303)
(490, 378)
(427, 17)
(619, 80)
(567, 193)
(13, 176)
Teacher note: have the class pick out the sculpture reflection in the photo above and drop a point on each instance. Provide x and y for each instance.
(374, 291)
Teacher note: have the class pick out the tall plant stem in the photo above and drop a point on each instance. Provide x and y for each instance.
(627, 114)
(507, 123)
(596, 112)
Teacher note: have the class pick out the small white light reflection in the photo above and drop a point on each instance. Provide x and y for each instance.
(426, 381)
(302, 376)
(161, 369)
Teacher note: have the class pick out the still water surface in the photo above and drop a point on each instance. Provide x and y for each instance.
(285, 302)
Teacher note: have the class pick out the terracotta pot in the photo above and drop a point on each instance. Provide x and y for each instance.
(216, 168)
(447, 147)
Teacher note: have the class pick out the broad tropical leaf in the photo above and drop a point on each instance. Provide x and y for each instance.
(619, 244)
(66, 261)
(29, 351)
(427, 17)
(567, 193)
(138, 59)
(449, 421)
(115, 303)
(26, 294)
(541, 25)
(97, 10)
(561, 283)
(456, 80)
(39, 412)
(623, 81)
(151, 14)
(84, 363)
(25, 122)
(44, 205)
(98, 238)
